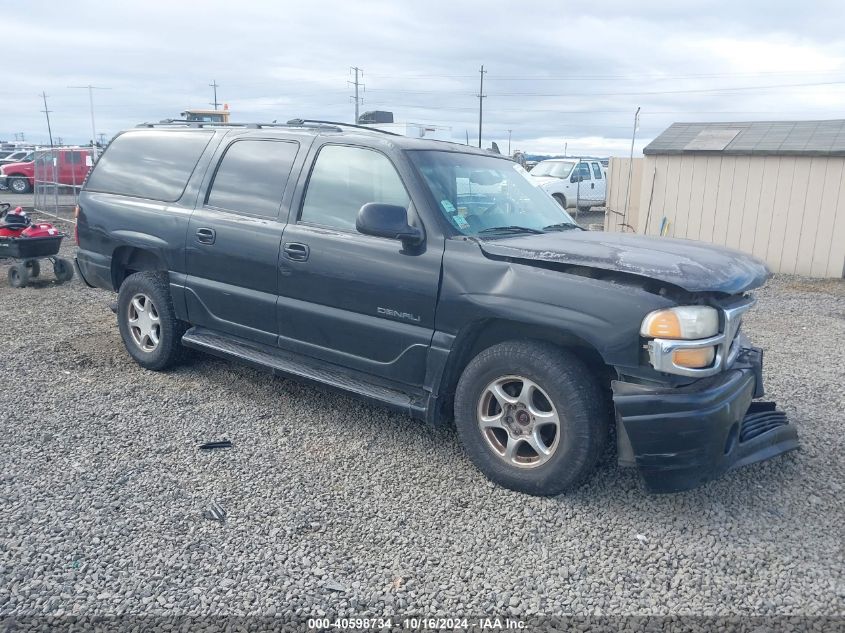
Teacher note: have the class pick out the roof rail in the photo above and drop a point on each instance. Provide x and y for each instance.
(301, 122)
(211, 124)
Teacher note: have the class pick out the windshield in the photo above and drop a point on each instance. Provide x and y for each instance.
(554, 168)
(483, 195)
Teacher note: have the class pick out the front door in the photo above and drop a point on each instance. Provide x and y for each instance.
(232, 246)
(360, 301)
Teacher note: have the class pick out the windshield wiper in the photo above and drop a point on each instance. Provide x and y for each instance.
(563, 226)
(509, 229)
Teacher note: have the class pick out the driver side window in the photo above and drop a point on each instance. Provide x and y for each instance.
(346, 178)
(584, 171)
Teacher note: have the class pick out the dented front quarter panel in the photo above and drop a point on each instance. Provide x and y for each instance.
(688, 264)
(603, 313)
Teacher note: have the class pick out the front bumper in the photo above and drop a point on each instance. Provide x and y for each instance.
(680, 438)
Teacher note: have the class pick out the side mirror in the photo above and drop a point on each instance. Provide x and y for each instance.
(387, 220)
(574, 178)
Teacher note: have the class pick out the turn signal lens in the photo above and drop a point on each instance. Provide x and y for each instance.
(683, 322)
(694, 358)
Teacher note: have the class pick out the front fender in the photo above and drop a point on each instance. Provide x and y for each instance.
(605, 314)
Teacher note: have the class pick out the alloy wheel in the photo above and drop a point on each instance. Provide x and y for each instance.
(518, 421)
(144, 322)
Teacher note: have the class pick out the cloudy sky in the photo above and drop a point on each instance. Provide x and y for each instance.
(560, 74)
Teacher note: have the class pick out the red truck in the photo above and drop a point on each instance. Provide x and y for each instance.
(65, 166)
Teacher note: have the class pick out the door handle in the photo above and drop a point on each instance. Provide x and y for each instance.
(592, 185)
(296, 251)
(206, 236)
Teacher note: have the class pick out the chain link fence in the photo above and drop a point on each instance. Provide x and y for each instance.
(58, 174)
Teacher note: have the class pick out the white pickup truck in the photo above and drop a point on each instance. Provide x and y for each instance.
(574, 183)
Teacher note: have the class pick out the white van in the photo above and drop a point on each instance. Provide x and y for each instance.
(574, 183)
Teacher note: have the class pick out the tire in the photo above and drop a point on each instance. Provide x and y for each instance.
(560, 198)
(18, 276)
(19, 185)
(562, 383)
(154, 336)
(63, 270)
(33, 267)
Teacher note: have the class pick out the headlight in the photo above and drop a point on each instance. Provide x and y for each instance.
(683, 322)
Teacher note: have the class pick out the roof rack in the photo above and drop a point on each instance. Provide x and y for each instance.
(334, 126)
(211, 124)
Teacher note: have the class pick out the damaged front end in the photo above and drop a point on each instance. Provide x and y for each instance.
(681, 437)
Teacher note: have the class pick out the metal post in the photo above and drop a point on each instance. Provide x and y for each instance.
(215, 86)
(54, 177)
(91, 89)
(93, 125)
(509, 142)
(630, 167)
(47, 114)
(357, 84)
(481, 96)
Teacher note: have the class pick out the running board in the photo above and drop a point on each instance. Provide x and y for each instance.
(294, 365)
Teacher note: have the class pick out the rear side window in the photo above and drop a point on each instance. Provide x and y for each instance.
(346, 178)
(149, 164)
(252, 177)
(596, 171)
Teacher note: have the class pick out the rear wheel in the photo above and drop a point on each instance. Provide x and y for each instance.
(148, 325)
(531, 417)
(19, 185)
(18, 276)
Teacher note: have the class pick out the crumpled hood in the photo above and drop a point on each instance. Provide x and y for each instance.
(688, 264)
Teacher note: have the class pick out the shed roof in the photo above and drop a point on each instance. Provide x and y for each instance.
(793, 138)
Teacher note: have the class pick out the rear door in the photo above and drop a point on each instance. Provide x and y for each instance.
(232, 246)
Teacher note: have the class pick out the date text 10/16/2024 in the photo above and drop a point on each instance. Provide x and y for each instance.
(417, 623)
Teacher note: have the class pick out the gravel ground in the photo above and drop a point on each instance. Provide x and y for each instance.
(337, 507)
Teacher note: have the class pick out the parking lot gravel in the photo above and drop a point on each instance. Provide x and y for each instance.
(333, 506)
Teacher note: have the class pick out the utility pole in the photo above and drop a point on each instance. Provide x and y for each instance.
(214, 85)
(358, 100)
(509, 142)
(481, 96)
(47, 114)
(91, 90)
(630, 166)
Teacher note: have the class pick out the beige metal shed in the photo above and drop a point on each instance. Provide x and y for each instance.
(774, 189)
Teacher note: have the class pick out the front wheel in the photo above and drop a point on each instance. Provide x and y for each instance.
(148, 325)
(531, 417)
(560, 198)
(19, 185)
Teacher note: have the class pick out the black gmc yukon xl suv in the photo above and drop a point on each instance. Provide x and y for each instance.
(439, 280)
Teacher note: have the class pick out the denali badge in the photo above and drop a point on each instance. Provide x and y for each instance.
(398, 315)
